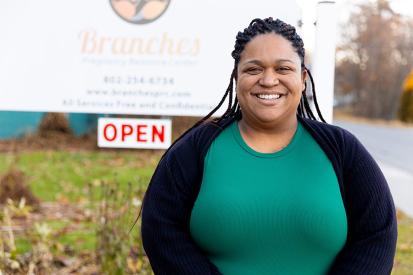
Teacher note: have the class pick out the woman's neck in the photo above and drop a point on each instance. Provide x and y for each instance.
(266, 138)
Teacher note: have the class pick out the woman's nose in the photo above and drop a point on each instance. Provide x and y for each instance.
(269, 79)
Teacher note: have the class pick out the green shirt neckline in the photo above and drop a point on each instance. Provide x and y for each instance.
(237, 135)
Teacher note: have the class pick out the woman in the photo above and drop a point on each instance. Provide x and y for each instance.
(266, 188)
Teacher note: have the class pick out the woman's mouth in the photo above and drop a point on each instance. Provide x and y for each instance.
(268, 96)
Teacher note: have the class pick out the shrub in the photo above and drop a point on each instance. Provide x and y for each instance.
(406, 100)
(54, 123)
(12, 186)
(119, 249)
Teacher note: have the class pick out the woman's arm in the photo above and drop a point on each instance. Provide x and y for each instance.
(371, 216)
(165, 219)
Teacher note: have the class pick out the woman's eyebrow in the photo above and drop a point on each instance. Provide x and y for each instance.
(285, 60)
(258, 62)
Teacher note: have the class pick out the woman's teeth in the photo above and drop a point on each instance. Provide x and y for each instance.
(268, 96)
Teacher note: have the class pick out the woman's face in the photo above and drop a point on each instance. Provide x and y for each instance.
(270, 80)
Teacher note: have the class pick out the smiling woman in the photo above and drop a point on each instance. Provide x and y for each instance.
(266, 188)
(269, 88)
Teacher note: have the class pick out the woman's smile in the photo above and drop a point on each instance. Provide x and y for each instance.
(268, 99)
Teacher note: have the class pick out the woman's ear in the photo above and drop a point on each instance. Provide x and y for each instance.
(304, 76)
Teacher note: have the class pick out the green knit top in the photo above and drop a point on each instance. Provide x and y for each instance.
(268, 213)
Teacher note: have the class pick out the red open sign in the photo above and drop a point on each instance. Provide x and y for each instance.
(134, 133)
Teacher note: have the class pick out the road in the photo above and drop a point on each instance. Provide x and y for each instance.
(392, 148)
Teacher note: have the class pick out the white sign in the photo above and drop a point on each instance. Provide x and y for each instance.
(159, 57)
(134, 133)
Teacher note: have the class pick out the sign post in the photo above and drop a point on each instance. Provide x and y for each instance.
(324, 57)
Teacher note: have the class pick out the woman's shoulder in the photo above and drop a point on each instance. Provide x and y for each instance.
(330, 133)
(343, 148)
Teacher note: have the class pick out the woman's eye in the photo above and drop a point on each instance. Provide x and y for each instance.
(284, 69)
(253, 70)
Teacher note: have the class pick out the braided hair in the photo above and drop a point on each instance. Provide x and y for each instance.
(264, 26)
(257, 27)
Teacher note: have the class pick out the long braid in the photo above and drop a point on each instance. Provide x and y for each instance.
(230, 92)
(300, 109)
(315, 97)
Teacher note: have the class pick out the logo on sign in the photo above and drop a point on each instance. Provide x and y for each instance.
(139, 11)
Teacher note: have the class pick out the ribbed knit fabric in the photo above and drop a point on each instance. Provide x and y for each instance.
(372, 228)
(276, 208)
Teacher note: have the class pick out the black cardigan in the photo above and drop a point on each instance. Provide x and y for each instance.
(174, 187)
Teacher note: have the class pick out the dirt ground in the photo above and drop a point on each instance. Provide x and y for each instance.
(341, 115)
(63, 140)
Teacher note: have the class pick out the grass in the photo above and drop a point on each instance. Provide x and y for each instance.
(64, 176)
(82, 238)
(404, 254)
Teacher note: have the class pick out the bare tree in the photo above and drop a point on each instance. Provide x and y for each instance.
(374, 59)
